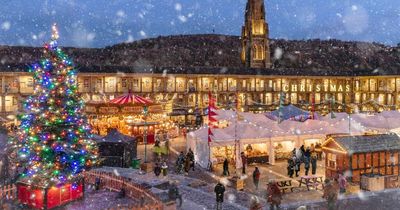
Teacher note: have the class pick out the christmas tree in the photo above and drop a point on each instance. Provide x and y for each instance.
(53, 142)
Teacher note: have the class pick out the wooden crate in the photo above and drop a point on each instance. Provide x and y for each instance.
(375, 183)
(353, 188)
(146, 167)
(237, 183)
(392, 181)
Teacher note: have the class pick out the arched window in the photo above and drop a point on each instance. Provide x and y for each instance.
(258, 52)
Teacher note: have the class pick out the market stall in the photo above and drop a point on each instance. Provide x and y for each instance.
(362, 154)
(256, 153)
(263, 139)
(116, 149)
(283, 149)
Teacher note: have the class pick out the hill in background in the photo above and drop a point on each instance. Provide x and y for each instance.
(223, 51)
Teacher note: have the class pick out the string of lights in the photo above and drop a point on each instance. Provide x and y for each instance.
(54, 141)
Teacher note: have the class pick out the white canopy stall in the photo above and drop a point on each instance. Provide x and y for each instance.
(259, 136)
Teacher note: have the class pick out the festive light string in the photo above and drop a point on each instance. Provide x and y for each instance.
(296, 131)
(54, 141)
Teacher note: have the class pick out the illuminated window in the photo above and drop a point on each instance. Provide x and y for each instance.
(124, 83)
(331, 160)
(258, 27)
(86, 83)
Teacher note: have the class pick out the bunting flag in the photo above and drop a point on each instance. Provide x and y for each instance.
(210, 134)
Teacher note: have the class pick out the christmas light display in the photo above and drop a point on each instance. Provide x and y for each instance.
(53, 142)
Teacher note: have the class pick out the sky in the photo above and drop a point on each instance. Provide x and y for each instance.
(99, 23)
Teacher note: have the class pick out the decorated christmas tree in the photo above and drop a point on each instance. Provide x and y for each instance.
(53, 142)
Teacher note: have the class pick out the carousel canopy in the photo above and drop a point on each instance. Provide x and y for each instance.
(130, 98)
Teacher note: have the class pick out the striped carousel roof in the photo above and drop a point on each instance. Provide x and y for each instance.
(130, 98)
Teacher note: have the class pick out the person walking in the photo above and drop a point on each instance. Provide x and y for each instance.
(314, 158)
(290, 167)
(330, 194)
(157, 169)
(274, 195)
(180, 163)
(244, 162)
(255, 203)
(164, 169)
(187, 165)
(191, 158)
(173, 193)
(342, 183)
(225, 167)
(307, 159)
(219, 194)
(297, 163)
(256, 177)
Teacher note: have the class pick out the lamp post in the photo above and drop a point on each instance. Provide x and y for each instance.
(145, 111)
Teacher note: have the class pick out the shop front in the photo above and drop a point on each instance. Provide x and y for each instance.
(283, 149)
(187, 117)
(256, 153)
(220, 153)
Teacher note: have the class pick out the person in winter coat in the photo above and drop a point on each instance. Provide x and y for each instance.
(226, 167)
(187, 165)
(330, 194)
(164, 168)
(342, 183)
(274, 195)
(290, 167)
(219, 194)
(296, 162)
(190, 155)
(157, 169)
(97, 184)
(314, 158)
(307, 159)
(173, 193)
(255, 203)
(244, 162)
(256, 177)
(180, 162)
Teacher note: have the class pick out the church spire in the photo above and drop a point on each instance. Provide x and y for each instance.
(255, 36)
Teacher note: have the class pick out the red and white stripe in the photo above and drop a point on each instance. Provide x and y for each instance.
(131, 99)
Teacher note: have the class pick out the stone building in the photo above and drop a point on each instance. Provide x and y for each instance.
(257, 85)
(255, 34)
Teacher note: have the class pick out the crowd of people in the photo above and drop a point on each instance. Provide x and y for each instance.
(307, 156)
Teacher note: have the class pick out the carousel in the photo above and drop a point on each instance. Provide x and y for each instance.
(131, 115)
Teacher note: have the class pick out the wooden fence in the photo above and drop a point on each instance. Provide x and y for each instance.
(8, 192)
(146, 199)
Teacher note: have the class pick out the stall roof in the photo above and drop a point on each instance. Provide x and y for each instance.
(287, 112)
(369, 143)
(115, 136)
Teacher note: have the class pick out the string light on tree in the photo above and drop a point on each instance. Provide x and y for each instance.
(54, 141)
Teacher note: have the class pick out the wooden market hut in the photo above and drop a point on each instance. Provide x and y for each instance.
(116, 149)
(363, 154)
